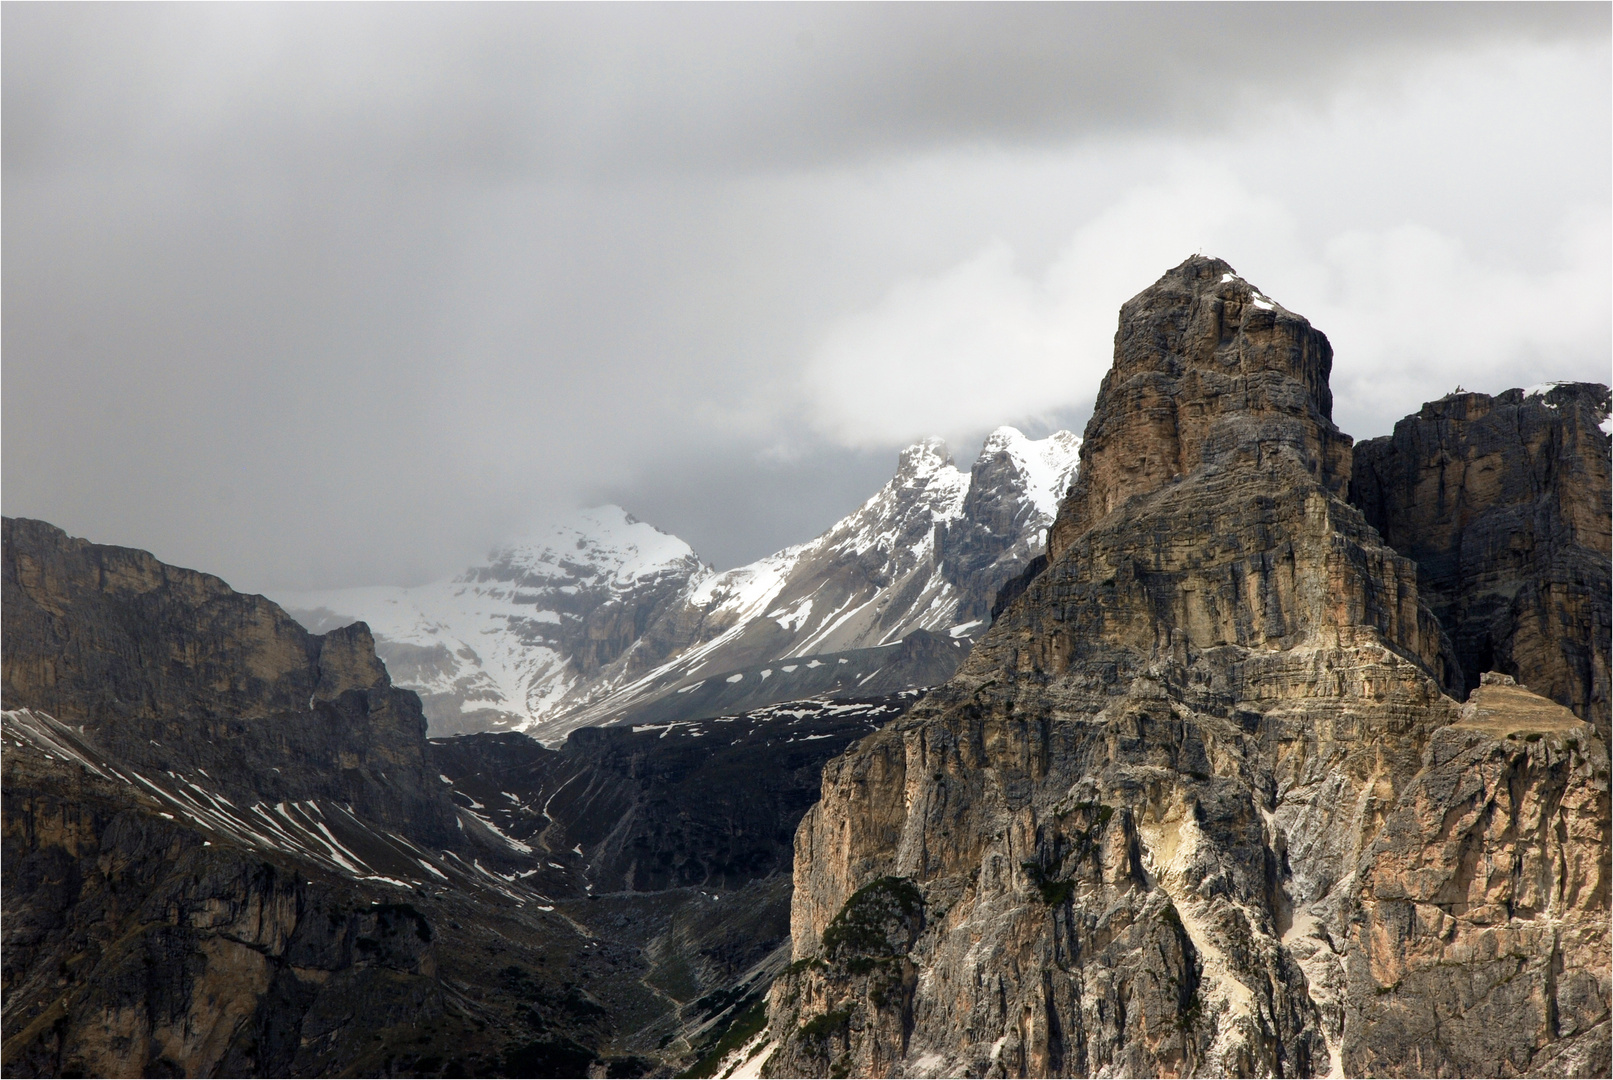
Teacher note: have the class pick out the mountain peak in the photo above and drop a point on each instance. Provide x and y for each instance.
(924, 457)
(588, 615)
(1207, 370)
(606, 538)
(1003, 438)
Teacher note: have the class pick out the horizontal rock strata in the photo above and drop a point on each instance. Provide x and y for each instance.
(1504, 504)
(1182, 809)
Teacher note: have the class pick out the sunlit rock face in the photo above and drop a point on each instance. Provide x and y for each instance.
(1207, 370)
(1198, 802)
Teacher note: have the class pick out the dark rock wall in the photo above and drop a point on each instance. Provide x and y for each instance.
(1503, 502)
(168, 667)
(136, 945)
(712, 804)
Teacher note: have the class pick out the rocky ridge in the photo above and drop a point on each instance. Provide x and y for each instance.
(607, 615)
(1198, 802)
(239, 855)
(1503, 502)
(167, 668)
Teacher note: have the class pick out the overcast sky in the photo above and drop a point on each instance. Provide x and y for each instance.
(312, 296)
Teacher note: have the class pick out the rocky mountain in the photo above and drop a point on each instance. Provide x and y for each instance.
(1503, 502)
(1229, 786)
(229, 849)
(226, 850)
(606, 616)
(1199, 801)
(167, 668)
(512, 642)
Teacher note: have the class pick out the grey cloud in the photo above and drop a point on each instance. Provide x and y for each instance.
(623, 88)
(314, 295)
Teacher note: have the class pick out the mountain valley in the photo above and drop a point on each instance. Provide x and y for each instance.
(249, 860)
(1209, 743)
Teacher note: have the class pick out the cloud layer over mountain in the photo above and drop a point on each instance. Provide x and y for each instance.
(319, 296)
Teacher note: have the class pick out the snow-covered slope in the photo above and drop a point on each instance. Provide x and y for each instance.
(607, 613)
(508, 644)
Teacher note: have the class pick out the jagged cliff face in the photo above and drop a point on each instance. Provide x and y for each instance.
(171, 669)
(1504, 504)
(1479, 944)
(1206, 368)
(606, 616)
(1197, 803)
(235, 852)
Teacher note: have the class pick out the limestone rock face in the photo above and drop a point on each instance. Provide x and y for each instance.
(1504, 504)
(1207, 369)
(1480, 943)
(170, 668)
(1152, 824)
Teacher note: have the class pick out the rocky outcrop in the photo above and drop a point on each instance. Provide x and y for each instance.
(1147, 829)
(1480, 943)
(1503, 502)
(1206, 369)
(168, 668)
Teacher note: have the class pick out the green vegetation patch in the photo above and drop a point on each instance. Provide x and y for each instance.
(1054, 891)
(883, 918)
(826, 1024)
